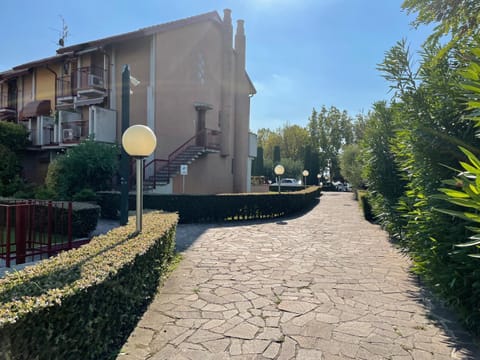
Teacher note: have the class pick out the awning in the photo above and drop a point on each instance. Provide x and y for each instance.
(35, 108)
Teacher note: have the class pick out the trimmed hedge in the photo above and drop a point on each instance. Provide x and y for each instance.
(217, 208)
(364, 201)
(84, 216)
(84, 303)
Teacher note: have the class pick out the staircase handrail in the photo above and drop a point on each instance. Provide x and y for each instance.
(191, 141)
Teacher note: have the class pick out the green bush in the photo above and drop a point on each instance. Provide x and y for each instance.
(85, 195)
(91, 165)
(84, 303)
(362, 196)
(218, 208)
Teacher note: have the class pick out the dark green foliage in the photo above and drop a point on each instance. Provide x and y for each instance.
(89, 165)
(85, 195)
(13, 136)
(218, 208)
(276, 155)
(363, 198)
(312, 164)
(409, 147)
(258, 165)
(84, 303)
(13, 140)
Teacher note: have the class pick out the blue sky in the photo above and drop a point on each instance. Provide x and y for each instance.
(301, 54)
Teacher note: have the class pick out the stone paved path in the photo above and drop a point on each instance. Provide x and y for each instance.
(325, 285)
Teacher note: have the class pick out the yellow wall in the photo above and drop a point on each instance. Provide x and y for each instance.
(136, 54)
(45, 85)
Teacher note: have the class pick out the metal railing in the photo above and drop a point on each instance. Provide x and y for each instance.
(34, 229)
(206, 139)
(65, 87)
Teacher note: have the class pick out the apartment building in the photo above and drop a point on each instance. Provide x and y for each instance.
(189, 85)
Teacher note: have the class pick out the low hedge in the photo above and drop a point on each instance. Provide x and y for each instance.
(362, 196)
(217, 208)
(83, 303)
(84, 216)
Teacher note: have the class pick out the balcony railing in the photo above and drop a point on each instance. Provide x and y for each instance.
(87, 81)
(91, 77)
(65, 87)
(8, 110)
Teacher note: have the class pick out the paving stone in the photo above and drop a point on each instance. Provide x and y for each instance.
(217, 346)
(323, 285)
(298, 307)
(272, 350)
(287, 350)
(309, 354)
(254, 346)
(243, 331)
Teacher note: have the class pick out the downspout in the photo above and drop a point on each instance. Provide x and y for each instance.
(107, 68)
(55, 102)
(56, 81)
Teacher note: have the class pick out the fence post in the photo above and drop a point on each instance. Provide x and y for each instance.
(49, 228)
(69, 224)
(9, 238)
(20, 234)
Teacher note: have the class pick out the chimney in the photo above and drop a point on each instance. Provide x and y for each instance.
(240, 43)
(227, 25)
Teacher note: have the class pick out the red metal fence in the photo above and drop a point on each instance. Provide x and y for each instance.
(32, 230)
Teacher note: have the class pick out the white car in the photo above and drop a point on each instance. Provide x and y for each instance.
(288, 182)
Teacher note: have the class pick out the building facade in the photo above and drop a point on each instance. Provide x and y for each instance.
(188, 84)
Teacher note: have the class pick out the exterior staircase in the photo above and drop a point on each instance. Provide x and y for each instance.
(172, 167)
(204, 142)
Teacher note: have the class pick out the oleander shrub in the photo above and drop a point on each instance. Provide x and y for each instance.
(83, 303)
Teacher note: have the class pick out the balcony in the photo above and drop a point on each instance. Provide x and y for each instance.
(91, 82)
(8, 111)
(85, 86)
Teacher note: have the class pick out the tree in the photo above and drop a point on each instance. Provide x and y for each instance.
(351, 165)
(460, 18)
(13, 141)
(90, 165)
(258, 166)
(276, 154)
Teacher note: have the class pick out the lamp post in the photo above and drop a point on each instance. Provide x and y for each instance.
(139, 141)
(319, 177)
(305, 173)
(279, 170)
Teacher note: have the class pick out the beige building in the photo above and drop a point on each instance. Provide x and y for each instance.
(189, 85)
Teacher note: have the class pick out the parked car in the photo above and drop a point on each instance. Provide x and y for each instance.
(289, 182)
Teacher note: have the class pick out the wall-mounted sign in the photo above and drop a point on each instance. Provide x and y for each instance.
(183, 169)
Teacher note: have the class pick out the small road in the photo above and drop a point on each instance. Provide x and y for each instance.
(323, 285)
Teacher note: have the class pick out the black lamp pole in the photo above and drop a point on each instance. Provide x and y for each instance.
(124, 158)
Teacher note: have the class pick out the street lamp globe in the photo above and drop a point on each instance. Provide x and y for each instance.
(305, 173)
(279, 170)
(139, 141)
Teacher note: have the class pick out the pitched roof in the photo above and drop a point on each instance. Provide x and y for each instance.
(210, 16)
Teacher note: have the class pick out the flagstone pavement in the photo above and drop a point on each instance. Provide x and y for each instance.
(323, 285)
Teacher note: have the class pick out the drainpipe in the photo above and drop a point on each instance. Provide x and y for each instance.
(56, 80)
(107, 78)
